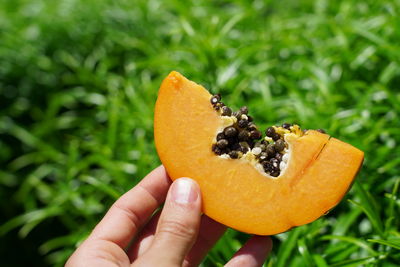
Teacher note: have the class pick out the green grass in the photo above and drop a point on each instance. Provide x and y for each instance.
(78, 82)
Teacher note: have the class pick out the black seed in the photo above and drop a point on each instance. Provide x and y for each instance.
(266, 164)
(244, 144)
(237, 114)
(249, 118)
(216, 149)
(275, 173)
(270, 150)
(270, 131)
(251, 126)
(217, 96)
(268, 168)
(286, 125)
(235, 146)
(255, 134)
(274, 162)
(243, 123)
(230, 131)
(251, 143)
(226, 150)
(275, 137)
(233, 154)
(279, 145)
(244, 149)
(278, 156)
(218, 105)
(321, 131)
(222, 143)
(244, 110)
(214, 100)
(232, 140)
(265, 142)
(243, 135)
(226, 111)
(220, 136)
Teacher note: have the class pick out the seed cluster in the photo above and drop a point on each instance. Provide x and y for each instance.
(243, 136)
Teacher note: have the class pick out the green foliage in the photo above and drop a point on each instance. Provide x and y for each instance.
(78, 82)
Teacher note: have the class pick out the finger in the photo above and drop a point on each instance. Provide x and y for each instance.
(144, 239)
(177, 227)
(210, 232)
(253, 253)
(133, 209)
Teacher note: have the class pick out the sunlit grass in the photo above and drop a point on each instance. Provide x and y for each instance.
(78, 82)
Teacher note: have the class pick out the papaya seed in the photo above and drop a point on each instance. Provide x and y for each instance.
(243, 123)
(270, 149)
(233, 154)
(255, 134)
(243, 135)
(270, 131)
(251, 126)
(220, 136)
(226, 111)
(222, 143)
(244, 110)
(279, 145)
(230, 131)
(278, 156)
(276, 137)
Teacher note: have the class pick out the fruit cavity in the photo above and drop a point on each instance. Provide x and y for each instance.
(240, 138)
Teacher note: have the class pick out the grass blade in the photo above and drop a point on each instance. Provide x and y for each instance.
(303, 249)
(393, 244)
(354, 262)
(369, 206)
(286, 250)
(351, 240)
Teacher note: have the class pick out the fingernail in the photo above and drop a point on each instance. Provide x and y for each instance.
(183, 191)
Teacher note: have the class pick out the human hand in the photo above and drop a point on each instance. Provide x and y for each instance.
(129, 235)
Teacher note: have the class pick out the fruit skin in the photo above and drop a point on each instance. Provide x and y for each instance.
(319, 173)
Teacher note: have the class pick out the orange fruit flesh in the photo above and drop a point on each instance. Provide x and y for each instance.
(319, 172)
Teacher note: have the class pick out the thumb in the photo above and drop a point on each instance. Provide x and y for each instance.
(178, 226)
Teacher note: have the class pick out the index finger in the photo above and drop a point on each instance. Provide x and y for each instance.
(127, 215)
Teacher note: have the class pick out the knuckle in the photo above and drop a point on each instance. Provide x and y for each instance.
(177, 229)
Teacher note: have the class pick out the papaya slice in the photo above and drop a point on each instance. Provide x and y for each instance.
(236, 191)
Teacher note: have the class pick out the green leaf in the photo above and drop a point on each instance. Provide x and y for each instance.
(319, 260)
(354, 262)
(393, 244)
(369, 206)
(303, 249)
(391, 209)
(34, 217)
(286, 249)
(352, 240)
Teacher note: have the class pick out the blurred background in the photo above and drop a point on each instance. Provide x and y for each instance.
(78, 82)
